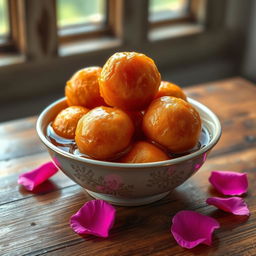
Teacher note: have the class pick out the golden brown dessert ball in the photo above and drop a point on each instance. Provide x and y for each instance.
(170, 89)
(173, 123)
(129, 80)
(66, 121)
(104, 132)
(144, 152)
(83, 88)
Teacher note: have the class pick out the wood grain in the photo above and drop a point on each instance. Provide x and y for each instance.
(41, 29)
(38, 223)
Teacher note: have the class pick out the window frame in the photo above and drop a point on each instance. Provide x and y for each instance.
(86, 30)
(172, 21)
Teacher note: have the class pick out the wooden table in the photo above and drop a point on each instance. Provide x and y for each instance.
(38, 223)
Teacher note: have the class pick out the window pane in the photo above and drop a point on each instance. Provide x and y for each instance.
(167, 9)
(75, 12)
(4, 24)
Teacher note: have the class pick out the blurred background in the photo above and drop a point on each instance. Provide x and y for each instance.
(42, 43)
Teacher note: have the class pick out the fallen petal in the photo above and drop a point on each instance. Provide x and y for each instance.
(235, 205)
(95, 217)
(30, 180)
(191, 228)
(229, 183)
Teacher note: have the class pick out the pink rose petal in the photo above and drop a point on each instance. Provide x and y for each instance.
(191, 228)
(235, 205)
(95, 217)
(30, 180)
(229, 183)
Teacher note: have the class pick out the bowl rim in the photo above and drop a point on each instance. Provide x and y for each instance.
(213, 141)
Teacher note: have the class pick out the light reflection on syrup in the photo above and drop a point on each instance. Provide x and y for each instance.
(69, 145)
(60, 142)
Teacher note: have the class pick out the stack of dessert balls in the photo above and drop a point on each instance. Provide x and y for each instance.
(123, 112)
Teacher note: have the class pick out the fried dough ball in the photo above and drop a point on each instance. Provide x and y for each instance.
(66, 121)
(83, 88)
(104, 132)
(173, 123)
(129, 80)
(170, 89)
(144, 152)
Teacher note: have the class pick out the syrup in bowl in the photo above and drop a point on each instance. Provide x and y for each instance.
(69, 145)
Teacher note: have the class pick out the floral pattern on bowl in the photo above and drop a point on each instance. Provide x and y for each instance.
(110, 184)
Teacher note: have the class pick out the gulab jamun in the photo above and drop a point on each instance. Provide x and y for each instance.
(83, 88)
(104, 132)
(173, 123)
(129, 81)
(144, 152)
(170, 89)
(66, 121)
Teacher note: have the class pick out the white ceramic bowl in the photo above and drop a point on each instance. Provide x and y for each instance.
(129, 184)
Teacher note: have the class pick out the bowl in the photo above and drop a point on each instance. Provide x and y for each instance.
(125, 183)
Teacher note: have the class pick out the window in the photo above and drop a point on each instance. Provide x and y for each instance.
(44, 42)
(79, 12)
(78, 17)
(165, 11)
(175, 18)
(4, 21)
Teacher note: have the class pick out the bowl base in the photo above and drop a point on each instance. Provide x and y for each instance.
(122, 201)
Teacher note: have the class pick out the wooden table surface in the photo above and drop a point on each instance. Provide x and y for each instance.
(38, 223)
